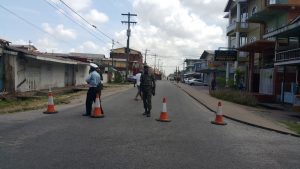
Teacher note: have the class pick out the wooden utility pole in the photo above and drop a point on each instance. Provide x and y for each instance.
(112, 58)
(154, 61)
(128, 22)
(145, 62)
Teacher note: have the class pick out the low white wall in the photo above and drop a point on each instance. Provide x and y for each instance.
(31, 74)
(81, 72)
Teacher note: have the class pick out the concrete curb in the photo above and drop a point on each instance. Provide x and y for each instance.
(238, 120)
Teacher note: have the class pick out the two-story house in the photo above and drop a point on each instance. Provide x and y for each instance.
(118, 60)
(236, 31)
(266, 77)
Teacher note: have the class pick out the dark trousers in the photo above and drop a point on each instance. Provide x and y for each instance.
(147, 94)
(90, 98)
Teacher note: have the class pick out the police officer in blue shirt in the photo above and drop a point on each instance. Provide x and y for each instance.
(93, 81)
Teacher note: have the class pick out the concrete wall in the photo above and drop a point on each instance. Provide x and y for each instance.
(10, 72)
(1, 70)
(105, 78)
(81, 72)
(32, 74)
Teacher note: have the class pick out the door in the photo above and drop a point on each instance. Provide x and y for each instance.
(1, 73)
(69, 75)
(266, 81)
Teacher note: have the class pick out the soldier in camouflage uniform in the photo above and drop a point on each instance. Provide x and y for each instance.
(148, 89)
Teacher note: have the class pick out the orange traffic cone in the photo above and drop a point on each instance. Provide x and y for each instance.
(164, 115)
(98, 112)
(50, 109)
(219, 116)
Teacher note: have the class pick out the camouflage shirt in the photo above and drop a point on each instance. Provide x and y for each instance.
(147, 81)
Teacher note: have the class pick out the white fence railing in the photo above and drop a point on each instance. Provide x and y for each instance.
(288, 55)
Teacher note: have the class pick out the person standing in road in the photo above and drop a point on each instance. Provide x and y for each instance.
(148, 89)
(93, 81)
(138, 83)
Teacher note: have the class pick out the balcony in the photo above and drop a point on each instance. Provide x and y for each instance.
(237, 27)
(231, 28)
(271, 9)
(274, 2)
(288, 56)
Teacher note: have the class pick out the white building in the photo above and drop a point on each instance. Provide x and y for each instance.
(29, 70)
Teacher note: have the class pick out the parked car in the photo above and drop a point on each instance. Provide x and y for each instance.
(131, 79)
(196, 82)
(186, 80)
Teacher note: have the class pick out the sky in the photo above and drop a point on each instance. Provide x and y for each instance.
(173, 30)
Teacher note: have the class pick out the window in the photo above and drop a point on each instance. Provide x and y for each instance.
(254, 10)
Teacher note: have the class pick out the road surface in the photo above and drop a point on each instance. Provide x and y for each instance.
(125, 139)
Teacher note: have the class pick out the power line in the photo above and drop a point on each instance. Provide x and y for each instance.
(92, 25)
(31, 24)
(71, 19)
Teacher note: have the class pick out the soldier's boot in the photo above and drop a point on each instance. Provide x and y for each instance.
(145, 113)
(148, 113)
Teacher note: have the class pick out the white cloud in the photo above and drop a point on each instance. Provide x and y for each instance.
(174, 28)
(77, 5)
(95, 16)
(20, 42)
(59, 31)
(46, 44)
(91, 47)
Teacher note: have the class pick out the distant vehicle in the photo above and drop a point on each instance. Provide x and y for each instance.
(131, 79)
(196, 82)
(186, 80)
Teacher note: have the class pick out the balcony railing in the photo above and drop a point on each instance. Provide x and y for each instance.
(237, 26)
(288, 55)
(243, 25)
(231, 27)
(272, 2)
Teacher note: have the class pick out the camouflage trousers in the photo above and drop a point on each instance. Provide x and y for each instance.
(147, 95)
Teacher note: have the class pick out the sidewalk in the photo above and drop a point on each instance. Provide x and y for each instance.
(259, 117)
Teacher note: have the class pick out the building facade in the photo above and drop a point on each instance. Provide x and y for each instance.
(118, 60)
(268, 39)
(23, 70)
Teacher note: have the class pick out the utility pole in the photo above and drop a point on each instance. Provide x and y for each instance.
(158, 64)
(145, 62)
(154, 61)
(112, 58)
(29, 45)
(128, 22)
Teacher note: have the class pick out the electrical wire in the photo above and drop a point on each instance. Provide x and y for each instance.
(31, 24)
(71, 19)
(94, 26)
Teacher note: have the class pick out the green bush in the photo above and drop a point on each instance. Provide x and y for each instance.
(235, 96)
(118, 78)
(221, 82)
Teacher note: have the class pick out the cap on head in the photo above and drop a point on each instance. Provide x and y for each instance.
(93, 65)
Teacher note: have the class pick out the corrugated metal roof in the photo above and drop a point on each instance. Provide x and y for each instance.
(51, 57)
(122, 50)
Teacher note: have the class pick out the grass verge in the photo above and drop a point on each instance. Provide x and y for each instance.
(40, 100)
(16, 105)
(235, 96)
(294, 126)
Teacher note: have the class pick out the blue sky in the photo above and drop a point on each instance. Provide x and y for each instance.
(172, 29)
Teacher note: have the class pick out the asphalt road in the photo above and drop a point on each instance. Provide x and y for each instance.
(125, 139)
